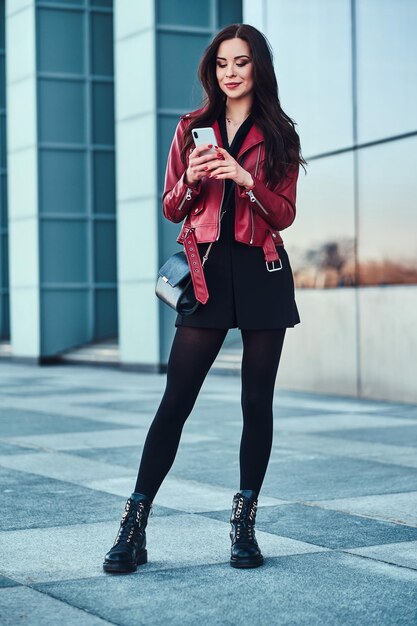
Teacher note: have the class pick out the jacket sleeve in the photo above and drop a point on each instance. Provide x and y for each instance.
(276, 206)
(178, 197)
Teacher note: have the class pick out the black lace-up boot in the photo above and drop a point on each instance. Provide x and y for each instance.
(129, 548)
(245, 550)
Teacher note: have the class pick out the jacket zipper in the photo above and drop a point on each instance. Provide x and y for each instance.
(253, 199)
(251, 210)
(186, 197)
(221, 203)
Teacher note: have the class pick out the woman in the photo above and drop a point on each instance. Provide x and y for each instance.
(240, 197)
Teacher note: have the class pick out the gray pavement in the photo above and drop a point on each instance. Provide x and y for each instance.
(337, 517)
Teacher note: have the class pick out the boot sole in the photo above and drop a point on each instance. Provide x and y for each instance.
(125, 568)
(246, 563)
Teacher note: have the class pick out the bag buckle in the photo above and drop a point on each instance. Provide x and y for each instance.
(273, 269)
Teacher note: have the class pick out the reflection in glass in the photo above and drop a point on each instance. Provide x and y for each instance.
(387, 193)
(321, 242)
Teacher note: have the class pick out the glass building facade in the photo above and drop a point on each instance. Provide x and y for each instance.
(90, 94)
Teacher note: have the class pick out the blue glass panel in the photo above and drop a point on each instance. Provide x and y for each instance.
(2, 24)
(61, 111)
(104, 182)
(230, 12)
(103, 113)
(386, 69)
(5, 317)
(321, 242)
(178, 59)
(102, 43)
(60, 41)
(4, 261)
(62, 181)
(69, 2)
(105, 252)
(63, 245)
(65, 320)
(167, 125)
(3, 141)
(387, 192)
(3, 201)
(101, 3)
(105, 313)
(2, 82)
(183, 12)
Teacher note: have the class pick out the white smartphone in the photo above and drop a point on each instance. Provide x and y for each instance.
(203, 136)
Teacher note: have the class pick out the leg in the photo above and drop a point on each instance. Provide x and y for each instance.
(192, 354)
(261, 356)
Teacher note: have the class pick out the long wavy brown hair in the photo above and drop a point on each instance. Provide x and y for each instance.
(282, 143)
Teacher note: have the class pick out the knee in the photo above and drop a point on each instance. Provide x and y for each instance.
(255, 402)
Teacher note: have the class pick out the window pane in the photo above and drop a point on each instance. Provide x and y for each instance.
(104, 182)
(4, 262)
(62, 181)
(69, 2)
(65, 320)
(101, 3)
(321, 242)
(230, 12)
(3, 141)
(63, 251)
(315, 74)
(102, 43)
(106, 313)
(61, 41)
(387, 193)
(3, 201)
(179, 90)
(2, 82)
(105, 251)
(386, 75)
(103, 113)
(61, 111)
(183, 12)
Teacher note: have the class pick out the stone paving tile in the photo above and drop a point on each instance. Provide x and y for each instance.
(403, 554)
(328, 476)
(339, 423)
(10, 448)
(398, 435)
(397, 507)
(53, 391)
(21, 605)
(98, 439)
(173, 541)
(16, 422)
(327, 588)
(62, 466)
(383, 453)
(7, 582)
(33, 501)
(181, 494)
(332, 529)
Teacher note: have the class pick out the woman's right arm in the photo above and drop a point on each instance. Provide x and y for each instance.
(179, 195)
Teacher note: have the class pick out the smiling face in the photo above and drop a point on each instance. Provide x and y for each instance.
(234, 68)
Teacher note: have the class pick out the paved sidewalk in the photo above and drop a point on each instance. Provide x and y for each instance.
(337, 517)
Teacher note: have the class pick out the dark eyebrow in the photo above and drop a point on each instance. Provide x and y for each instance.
(238, 57)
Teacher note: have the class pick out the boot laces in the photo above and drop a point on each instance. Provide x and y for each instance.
(244, 519)
(131, 521)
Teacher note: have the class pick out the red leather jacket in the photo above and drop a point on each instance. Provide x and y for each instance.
(259, 214)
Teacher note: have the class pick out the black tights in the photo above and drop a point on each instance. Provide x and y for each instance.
(192, 354)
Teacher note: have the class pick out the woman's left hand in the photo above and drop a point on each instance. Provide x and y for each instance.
(227, 167)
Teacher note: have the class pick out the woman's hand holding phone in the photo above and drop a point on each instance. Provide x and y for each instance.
(228, 167)
(197, 164)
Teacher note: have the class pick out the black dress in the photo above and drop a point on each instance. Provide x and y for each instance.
(242, 293)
